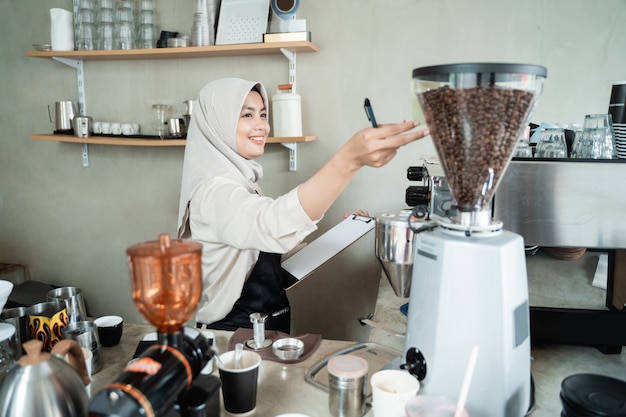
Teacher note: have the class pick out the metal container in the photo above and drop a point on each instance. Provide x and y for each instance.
(394, 249)
(347, 377)
(83, 126)
(176, 126)
(64, 113)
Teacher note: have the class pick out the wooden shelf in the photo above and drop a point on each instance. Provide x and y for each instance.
(122, 141)
(188, 52)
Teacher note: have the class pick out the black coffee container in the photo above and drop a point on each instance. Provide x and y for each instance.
(618, 102)
(590, 395)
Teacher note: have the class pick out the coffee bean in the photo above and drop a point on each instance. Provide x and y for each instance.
(475, 131)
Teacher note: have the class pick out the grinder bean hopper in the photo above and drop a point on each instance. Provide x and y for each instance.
(469, 283)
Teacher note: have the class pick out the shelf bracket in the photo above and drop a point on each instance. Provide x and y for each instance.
(292, 146)
(293, 154)
(291, 57)
(77, 64)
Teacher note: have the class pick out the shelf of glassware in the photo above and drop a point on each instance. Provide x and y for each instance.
(156, 142)
(188, 52)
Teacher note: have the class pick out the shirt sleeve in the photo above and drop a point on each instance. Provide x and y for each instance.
(233, 216)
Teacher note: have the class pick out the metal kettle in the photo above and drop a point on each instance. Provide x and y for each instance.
(43, 383)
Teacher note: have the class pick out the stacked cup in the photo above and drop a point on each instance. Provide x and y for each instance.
(551, 144)
(125, 26)
(201, 31)
(146, 23)
(106, 25)
(87, 37)
(596, 138)
(617, 111)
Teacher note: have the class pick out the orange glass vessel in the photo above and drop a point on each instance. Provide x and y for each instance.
(166, 278)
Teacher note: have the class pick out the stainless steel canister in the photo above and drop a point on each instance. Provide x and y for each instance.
(86, 334)
(347, 385)
(83, 126)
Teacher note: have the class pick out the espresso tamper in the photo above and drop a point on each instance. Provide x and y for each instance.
(258, 324)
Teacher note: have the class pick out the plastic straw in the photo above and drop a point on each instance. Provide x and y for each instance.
(467, 380)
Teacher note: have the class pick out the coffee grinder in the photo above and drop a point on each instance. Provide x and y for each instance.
(469, 284)
(166, 286)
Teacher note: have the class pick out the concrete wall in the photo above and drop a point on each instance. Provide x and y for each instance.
(70, 225)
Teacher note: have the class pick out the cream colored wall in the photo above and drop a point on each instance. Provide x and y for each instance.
(70, 225)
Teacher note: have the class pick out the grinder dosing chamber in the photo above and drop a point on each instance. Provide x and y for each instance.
(469, 285)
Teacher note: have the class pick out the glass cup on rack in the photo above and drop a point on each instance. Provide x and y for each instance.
(551, 143)
(146, 5)
(106, 36)
(162, 115)
(146, 36)
(106, 15)
(124, 35)
(87, 37)
(596, 139)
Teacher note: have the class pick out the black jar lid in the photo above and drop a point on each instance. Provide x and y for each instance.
(482, 67)
(593, 395)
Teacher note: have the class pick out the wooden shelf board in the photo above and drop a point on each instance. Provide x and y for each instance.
(188, 52)
(122, 141)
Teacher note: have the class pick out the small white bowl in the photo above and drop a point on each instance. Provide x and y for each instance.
(5, 290)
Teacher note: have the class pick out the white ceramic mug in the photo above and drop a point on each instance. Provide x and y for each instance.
(97, 127)
(136, 128)
(106, 128)
(116, 128)
(391, 390)
(128, 129)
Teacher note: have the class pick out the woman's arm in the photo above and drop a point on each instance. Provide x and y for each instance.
(373, 147)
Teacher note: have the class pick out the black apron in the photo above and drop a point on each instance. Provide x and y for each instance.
(263, 292)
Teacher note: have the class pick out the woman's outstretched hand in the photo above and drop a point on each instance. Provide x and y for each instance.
(375, 147)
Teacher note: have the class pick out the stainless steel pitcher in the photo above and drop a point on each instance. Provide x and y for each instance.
(64, 113)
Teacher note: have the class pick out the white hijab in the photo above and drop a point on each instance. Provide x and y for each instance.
(211, 147)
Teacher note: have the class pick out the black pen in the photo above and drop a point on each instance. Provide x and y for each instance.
(369, 112)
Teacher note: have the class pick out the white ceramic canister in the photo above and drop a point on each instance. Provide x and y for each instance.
(286, 113)
(61, 30)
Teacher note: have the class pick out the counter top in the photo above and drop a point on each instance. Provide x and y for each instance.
(283, 389)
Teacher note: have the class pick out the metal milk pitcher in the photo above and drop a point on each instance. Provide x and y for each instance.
(64, 113)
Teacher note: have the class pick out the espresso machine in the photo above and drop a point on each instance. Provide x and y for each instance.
(166, 379)
(469, 291)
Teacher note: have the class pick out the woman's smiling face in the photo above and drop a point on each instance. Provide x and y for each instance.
(252, 127)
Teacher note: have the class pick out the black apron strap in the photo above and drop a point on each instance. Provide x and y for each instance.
(263, 292)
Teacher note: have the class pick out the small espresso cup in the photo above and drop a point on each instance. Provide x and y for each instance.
(106, 128)
(46, 322)
(116, 128)
(128, 129)
(109, 330)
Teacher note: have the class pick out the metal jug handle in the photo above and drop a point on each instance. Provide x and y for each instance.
(76, 357)
(49, 114)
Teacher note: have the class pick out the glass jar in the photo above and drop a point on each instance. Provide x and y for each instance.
(8, 348)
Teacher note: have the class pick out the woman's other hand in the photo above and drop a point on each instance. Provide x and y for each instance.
(357, 212)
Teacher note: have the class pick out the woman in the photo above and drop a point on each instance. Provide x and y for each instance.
(244, 233)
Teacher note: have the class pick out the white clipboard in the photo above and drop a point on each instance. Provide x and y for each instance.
(316, 253)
